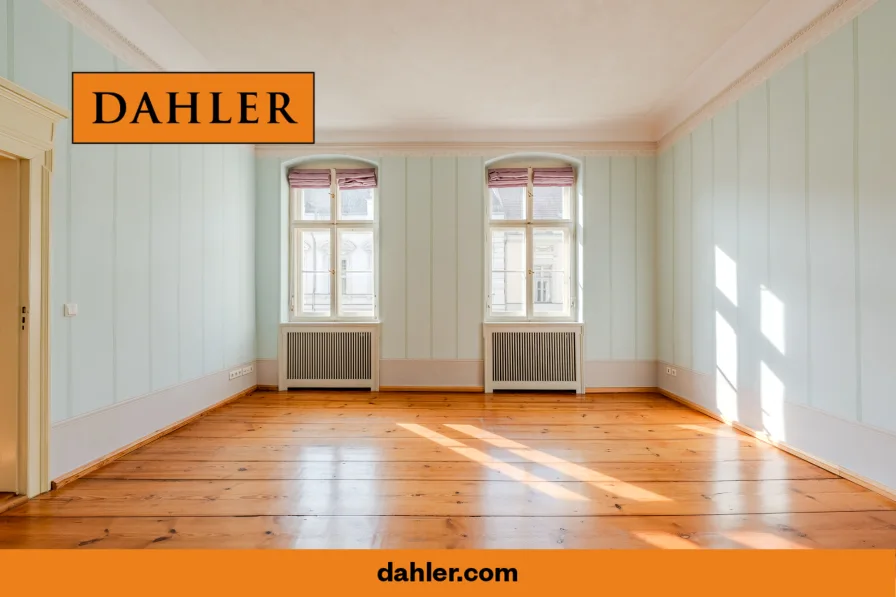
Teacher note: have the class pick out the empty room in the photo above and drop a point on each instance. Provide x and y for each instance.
(448, 275)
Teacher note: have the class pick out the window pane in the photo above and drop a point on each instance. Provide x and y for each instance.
(314, 204)
(508, 265)
(550, 275)
(508, 203)
(315, 268)
(356, 204)
(550, 203)
(356, 282)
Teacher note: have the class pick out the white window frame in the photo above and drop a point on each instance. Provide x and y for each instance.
(334, 225)
(529, 224)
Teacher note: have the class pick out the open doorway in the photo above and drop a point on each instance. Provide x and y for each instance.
(27, 127)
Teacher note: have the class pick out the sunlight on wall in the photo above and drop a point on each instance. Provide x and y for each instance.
(726, 368)
(772, 319)
(581, 473)
(517, 474)
(772, 397)
(726, 276)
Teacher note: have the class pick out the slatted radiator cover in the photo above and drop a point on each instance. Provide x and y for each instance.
(533, 357)
(317, 355)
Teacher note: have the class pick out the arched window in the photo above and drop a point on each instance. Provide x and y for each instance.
(333, 240)
(530, 253)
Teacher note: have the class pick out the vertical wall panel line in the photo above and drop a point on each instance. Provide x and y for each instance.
(637, 261)
(610, 250)
(808, 196)
(768, 185)
(11, 41)
(691, 244)
(202, 269)
(456, 250)
(180, 202)
(68, 215)
(672, 214)
(856, 214)
(114, 277)
(405, 207)
(431, 264)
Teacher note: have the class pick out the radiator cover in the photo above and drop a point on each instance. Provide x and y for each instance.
(328, 355)
(533, 356)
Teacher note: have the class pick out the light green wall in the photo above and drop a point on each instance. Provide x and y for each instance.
(432, 256)
(154, 244)
(796, 184)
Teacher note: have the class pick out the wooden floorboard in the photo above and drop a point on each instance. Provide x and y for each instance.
(431, 470)
(828, 530)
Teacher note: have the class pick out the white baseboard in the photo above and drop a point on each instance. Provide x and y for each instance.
(620, 374)
(463, 373)
(82, 439)
(857, 450)
(431, 373)
(266, 372)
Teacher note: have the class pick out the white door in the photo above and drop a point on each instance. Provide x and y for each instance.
(10, 322)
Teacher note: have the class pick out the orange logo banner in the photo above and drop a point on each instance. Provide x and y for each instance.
(798, 573)
(192, 107)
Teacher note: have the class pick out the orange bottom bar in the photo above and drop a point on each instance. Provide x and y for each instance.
(625, 573)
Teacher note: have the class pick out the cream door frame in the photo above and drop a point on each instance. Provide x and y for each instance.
(27, 130)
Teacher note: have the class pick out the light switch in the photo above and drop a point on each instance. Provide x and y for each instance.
(70, 309)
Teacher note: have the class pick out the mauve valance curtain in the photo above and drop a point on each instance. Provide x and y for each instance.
(358, 178)
(508, 177)
(553, 177)
(541, 177)
(306, 178)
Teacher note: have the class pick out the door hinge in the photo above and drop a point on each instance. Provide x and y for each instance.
(24, 316)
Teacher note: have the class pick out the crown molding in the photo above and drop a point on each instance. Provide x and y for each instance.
(741, 61)
(487, 150)
(133, 31)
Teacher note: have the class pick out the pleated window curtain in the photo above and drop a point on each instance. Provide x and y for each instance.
(358, 178)
(541, 177)
(307, 178)
(508, 177)
(553, 177)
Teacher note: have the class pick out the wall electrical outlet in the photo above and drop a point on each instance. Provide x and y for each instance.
(245, 370)
(668, 370)
(674, 372)
(236, 373)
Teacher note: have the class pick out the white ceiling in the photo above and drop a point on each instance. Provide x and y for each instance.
(475, 70)
(495, 67)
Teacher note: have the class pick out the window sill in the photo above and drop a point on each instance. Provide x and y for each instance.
(332, 322)
(524, 322)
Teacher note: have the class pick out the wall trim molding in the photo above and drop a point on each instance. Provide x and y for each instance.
(13, 502)
(124, 450)
(472, 149)
(133, 31)
(689, 109)
(82, 16)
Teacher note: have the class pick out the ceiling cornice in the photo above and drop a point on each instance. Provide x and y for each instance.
(747, 60)
(135, 32)
(487, 150)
